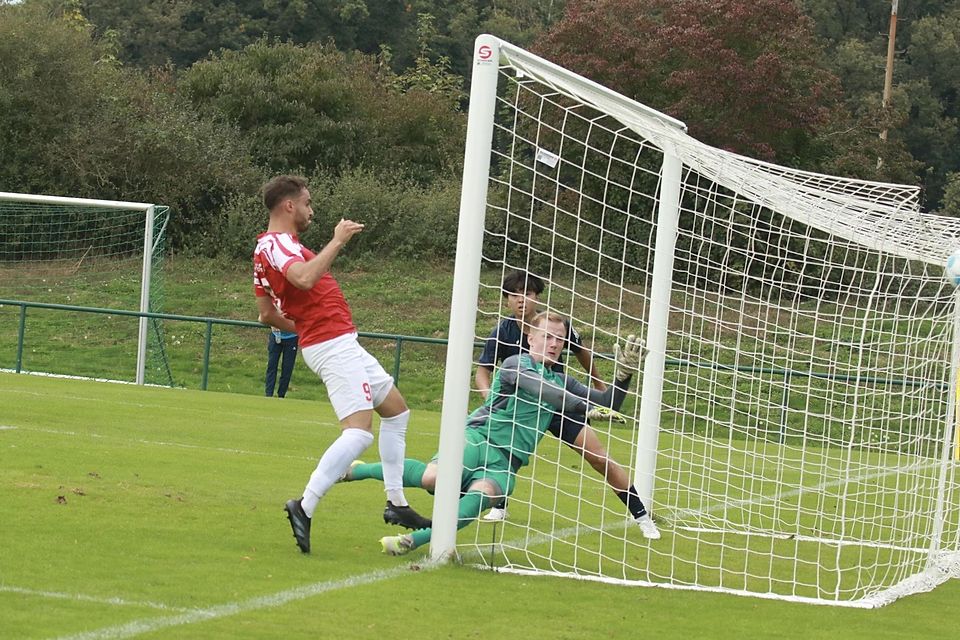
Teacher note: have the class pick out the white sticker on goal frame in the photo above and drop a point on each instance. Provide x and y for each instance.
(547, 158)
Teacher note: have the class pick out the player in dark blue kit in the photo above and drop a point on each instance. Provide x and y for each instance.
(522, 291)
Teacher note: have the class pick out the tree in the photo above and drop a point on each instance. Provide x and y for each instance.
(849, 144)
(427, 75)
(930, 89)
(181, 32)
(303, 107)
(922, 117)
(745, 75)
(951, 196)
(867, 20)
(74, 122)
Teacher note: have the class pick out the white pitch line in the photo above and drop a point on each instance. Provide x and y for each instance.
(780, 495)
(164, 443)
(577, 530)
(149, 625)
(85, 598)
(138, 627)
(6, 427)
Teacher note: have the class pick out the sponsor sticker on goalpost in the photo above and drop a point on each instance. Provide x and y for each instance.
(484, 54)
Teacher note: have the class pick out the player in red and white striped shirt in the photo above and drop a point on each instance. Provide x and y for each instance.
(295, 292)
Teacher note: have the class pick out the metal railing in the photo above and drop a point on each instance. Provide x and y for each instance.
(398, 340)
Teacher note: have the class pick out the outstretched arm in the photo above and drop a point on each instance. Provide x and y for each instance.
(611, 397)
(629, 355)
(571, 397)
(303, 275)
(518, 372)
(586, 360)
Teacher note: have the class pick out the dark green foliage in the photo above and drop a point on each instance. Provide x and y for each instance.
(74, 122)
(182, 32)
(922, 117)
(304, 107)
(403, 220)
(275, 91)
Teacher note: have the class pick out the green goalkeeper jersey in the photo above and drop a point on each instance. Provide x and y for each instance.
(523, 399)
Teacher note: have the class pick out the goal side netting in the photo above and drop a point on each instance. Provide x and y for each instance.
(79, 252)
(793, 427)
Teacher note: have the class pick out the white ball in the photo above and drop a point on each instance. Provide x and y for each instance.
(951, 270)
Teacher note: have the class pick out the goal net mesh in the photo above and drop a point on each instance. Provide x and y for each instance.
(805, 445)
(79, 254)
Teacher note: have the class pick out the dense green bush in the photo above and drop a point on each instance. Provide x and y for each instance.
(312, 106)
(403, 219)
(74, 122)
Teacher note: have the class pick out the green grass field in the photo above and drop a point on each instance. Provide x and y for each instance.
(157, 513)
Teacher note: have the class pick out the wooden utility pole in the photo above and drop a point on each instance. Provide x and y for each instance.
(888, 77)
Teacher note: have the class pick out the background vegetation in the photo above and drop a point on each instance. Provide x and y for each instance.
(193, 103)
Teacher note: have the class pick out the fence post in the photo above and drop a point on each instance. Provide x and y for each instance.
(20, 330)
(396, 361)
(208, 338)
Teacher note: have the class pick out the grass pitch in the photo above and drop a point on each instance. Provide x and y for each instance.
(157, 513)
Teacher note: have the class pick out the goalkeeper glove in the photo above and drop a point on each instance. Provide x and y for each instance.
(605, 413)
(629, 356)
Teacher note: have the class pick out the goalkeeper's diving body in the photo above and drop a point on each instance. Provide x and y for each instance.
(522, 290)
(503, 433)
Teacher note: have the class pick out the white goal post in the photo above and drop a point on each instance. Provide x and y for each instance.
(794, 427)
(82, 231)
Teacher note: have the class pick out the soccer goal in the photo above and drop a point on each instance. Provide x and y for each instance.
(89, 253)
(793, 428)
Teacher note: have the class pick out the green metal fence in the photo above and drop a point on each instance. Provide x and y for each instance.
(398, 340)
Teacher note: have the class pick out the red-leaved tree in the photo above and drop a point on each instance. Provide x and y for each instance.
(745, 75)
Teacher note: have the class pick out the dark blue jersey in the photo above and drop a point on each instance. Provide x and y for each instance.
(507, 340)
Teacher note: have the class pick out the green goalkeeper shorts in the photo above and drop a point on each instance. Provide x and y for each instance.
(483, 461)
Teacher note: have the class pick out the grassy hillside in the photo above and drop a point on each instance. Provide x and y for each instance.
(396, 298)
(391, 297)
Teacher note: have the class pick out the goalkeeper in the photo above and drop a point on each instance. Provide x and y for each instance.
(522, 291)
(503, 433)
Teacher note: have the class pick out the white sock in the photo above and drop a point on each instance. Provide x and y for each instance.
(393, 446)
(334, 462)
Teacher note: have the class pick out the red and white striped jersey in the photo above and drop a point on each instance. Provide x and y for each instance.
(320, 313)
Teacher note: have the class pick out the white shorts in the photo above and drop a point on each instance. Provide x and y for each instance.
(355, 380)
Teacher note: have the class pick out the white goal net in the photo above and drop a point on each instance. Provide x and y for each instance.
(793, 428)
(58, 254)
